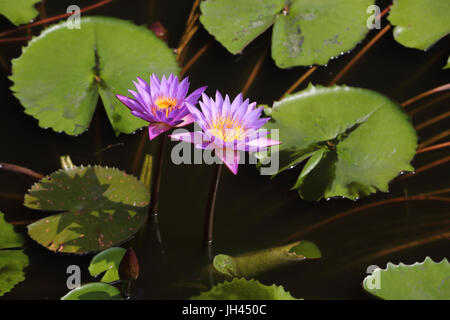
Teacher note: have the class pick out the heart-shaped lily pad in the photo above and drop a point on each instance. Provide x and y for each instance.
(61, 73)
(12, 258)
(241, 289)
(305, 31)
(101, 208)
(358, 140)
(94, 291)
(428, 280)
(420, 23)
(107, 261)
(18, 11)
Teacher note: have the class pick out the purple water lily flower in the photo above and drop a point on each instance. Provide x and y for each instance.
(228, 127)
(162, 103)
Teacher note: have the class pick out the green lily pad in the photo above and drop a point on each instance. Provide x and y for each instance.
(368, 139)
(236, 23)
(12, 259)
(420, 23)
(428, 280)
(101, 208)
(254, 263)
(19, 11)
(94, 291)
(107, 261)
(61, 73)
(305, 31)
(241, 289)
(315, 31)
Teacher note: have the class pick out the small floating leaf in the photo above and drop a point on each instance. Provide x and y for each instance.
(107, 261)
(19, 11)
(94, 291)
(12, 258)
(428, 280)
(370, 140)
(241, 289)
(254, 263)
(420, 23)
(102, 207)
(61, 73)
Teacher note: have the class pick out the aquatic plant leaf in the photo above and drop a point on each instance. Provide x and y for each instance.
(314, 31)
(107, 261)
(312, 162)
(420, 23)
(305, 31)
(236, 23)
(12, 259)
(94, 291)
(307, 249)
(8, 237)
(427, 280)
(19, 11)
(370, 140)
(254, 263)
(448, 64)
(242, 289)
(61, 73)
(101, 208)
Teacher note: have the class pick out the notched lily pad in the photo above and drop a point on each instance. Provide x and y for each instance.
(107, 261)
(358, 140)
(19, 11)
(101, 208)
(255, 263)
(61, 73)
(241, 289)
(305, 31)
(428, 280)
(12, 258)
(314, 31)
(420, 23)
(237, 23)
(94, 291)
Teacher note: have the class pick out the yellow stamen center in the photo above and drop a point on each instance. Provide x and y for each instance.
(228, 129)
(166, 103)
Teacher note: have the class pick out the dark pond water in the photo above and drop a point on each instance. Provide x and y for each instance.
(253, 211)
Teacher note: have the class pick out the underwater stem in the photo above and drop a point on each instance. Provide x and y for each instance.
(299, 81)
(194, 58)
(431, 196)
(426, 94)
(254, 72)
(381, 33)
(435, 147)
(22, 170)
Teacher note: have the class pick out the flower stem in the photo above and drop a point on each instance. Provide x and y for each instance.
(209, 218)
(153, 207)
